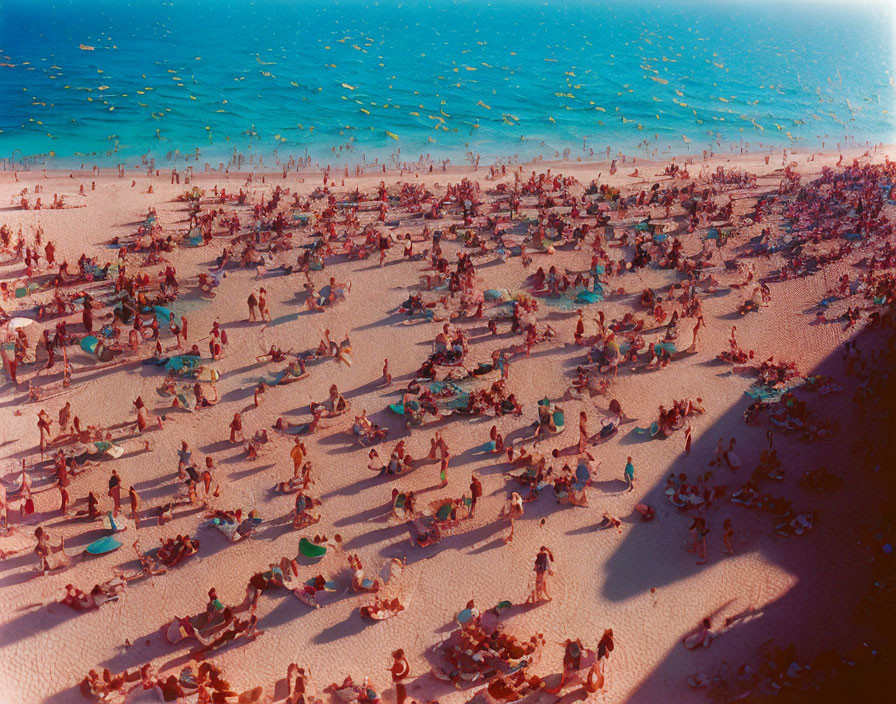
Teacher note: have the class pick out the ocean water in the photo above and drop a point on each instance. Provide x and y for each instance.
(107, 81)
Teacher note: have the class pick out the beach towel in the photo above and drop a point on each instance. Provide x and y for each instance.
(89, 344)
(27, 290)
(559, 420)
(309, 549)
(590, 296)
(653, 429)
(163, 315)
(181, 362)
(103, 545)
(493, 294)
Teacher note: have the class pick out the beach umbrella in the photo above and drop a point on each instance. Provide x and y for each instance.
(14, 324)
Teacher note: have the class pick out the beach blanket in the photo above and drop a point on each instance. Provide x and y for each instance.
(181, 362)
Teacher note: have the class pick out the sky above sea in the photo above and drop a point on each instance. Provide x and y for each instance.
(108, 81)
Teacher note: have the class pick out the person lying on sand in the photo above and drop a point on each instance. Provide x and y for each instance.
(701, 637)
(99, 595)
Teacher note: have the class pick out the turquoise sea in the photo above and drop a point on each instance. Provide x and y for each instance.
(106, 81)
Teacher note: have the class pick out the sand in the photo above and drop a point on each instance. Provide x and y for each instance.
(639, 581)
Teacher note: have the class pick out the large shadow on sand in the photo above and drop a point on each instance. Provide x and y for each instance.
(812, 561)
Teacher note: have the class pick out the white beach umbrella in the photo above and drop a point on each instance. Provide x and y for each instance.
(14, 324)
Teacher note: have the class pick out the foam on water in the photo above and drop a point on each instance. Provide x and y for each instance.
(444, 78)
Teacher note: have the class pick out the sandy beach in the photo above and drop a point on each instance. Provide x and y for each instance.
(638, 578)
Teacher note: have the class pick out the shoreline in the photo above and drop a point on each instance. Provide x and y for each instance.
(187, 160)
(348, 174)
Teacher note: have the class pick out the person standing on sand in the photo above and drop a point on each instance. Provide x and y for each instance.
(697, 327)
(115, 491)
(43, 425)
(438, 445)
(135, 506)
(702, 531)
(497, 440)
(583, 432)
(252, 302)
(512, 510)
(207, 475)
(298, 457)
(4, 511)
(400, 669)
(696, 525)
(263, 311)
(184, 455)
(236, 428)
(218, 333)
(604, 647)
(63, 481)
(87, 317)
(629, 474)
(443, 471)
(543, 561)
(475, 493)
(65, 418)
(727, 535)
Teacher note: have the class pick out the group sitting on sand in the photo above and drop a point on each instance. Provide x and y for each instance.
(476, 391)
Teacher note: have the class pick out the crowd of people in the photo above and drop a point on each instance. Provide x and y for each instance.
(101, 315)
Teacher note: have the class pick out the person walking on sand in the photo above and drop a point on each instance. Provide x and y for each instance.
(387, 377)
(543, 561)
(629, 474)
(400, 669)
(115, 491)
(475, 494)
